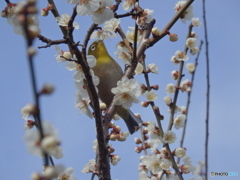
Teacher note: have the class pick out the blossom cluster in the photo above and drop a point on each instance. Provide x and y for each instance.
(152, 165)
(15, 17)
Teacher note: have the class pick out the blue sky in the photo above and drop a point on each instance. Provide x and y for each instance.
(77, 132)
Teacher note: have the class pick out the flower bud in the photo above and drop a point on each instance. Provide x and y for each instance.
(50, 6)
(67, 55)
(156, 31)
(175, 75)
(137, 140)
(144, 104)
(179, 152)
(111, 124)
(31, 51)
(103, 106)
(47, 89)
(173, 37)
(4, 14)
(111, 150)
(116, 129)
(44, 12)
(113, 137)
(36, 176)
(28, 110)
(155, 87)
(138, 149)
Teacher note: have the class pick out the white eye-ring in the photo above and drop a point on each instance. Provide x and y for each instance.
(93, 47)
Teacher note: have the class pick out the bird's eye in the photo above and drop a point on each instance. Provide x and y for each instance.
(93, 47)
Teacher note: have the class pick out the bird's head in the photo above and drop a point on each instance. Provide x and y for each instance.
(98, 49)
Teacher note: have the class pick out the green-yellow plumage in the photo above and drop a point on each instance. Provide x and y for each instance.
(109, 73)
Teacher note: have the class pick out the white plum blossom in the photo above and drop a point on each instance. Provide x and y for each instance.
(90, 167)
(128, 4)
(167, 100)
(169, 137)
(190, 67)
(64, 19)
(103, 13)
(188, 14)
(108, 31)
(152, 162)
(126, 92)
(179, 121)
(156, 31)
(153, 68)
(186, 85)
(35, 146)
(174, 60)
(103, 34)
(29, 124)
(153, 131)
(130, 35)
(151, 95)
(85, 7)
(179, 152)
(165, 164)
(139, 69)
(194, 51)
(191, 42)
(124, 54)
(59, 56)
(123, 136)
(67, 174)
(115, 159)
(145, 16)
(170, 88)
(51, 172)
(175, 75)
(196, 22)
(49, 144)
(154, 143)
(82, 103)
(29, 109)
(112, 24)
(181, 56)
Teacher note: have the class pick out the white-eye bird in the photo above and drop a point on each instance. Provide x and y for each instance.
(109, 73)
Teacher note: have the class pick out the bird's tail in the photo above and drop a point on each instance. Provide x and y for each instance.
(129, 118)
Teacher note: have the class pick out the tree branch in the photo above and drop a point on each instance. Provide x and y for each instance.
(50, 42)
(165, 30)
(208, 88)
(189, 97)
(173, 106)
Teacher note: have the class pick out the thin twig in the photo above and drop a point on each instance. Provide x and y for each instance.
(208, 88)
(189, 97)
(87, 38)
(166, 29)
(189, 93)
(173, 105)
(50, 42)
(37, 116)
(56, 14)
(159, 117)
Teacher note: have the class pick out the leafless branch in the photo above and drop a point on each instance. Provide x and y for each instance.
(189, 97)
(208, 88)
(50, 42)
(165, 30)
(173, 106)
